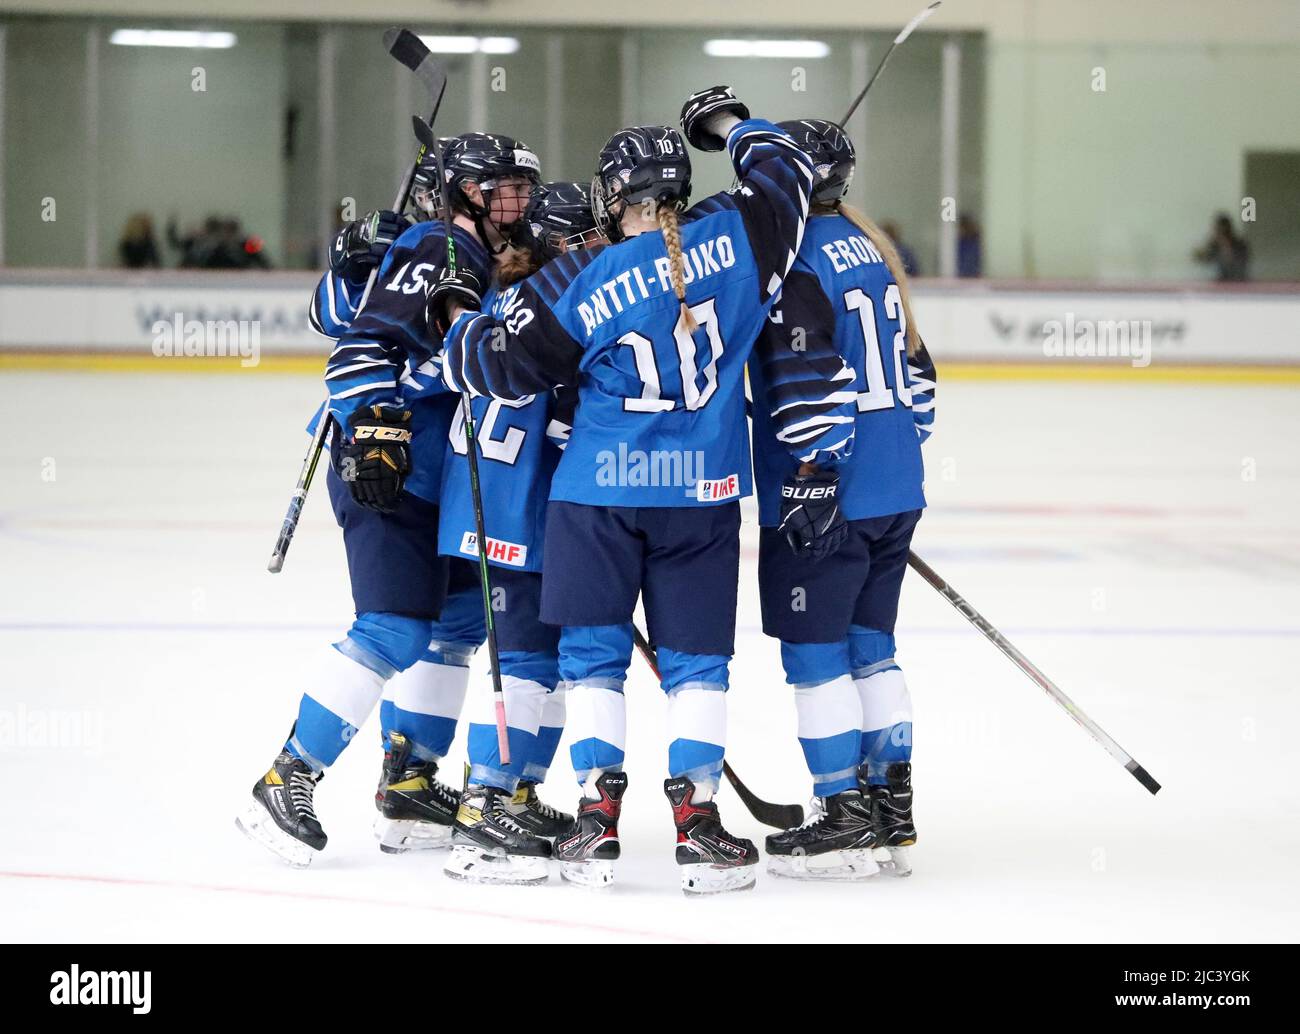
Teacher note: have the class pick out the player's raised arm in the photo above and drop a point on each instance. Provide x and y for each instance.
(525, 352)
(809, 388)
(358, 248)
(776, 178)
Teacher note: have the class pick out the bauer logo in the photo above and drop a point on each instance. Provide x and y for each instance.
(94, 987)
(208, 339)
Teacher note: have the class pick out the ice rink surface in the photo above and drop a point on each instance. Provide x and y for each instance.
(1140, 542)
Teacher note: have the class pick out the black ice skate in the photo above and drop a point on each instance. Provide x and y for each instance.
(891, 814)
(587, 854)
(712, 860)
(416, 811)
(834, 844)
(282, 817)
(490, 846)
(536, 816)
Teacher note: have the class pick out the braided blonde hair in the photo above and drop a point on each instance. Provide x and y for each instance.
(672, 231)
(880, 240)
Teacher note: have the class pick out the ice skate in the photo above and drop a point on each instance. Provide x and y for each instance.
(891, 814)
(712, 860)
(282, 817)
(490, 846)
(836, 842)
(587, 854)
(536, 816)
(416, 811)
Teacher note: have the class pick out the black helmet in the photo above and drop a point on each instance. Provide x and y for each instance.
(426, 191)
(558, 218)
(638, 164)
(483, 158)
(832, 156)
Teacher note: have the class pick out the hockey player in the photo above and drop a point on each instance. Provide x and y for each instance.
(655, 331)
(842, 378)
(503, 831)
(387, 508)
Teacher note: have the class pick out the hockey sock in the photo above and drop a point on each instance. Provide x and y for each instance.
(344, 690)
(548, 736)
(886, 702)
(593, 664)
(830, 732)
(697, 717)
(424, 702)
(524, 700)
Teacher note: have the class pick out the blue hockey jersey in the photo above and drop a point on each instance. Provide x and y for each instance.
(833, 383)
(384, 353)
(661, 413)
(519, 444)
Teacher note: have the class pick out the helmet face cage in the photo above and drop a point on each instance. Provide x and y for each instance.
(833, 157)
(558, 219)
(484, 159)
(426, 191)
(642, 163)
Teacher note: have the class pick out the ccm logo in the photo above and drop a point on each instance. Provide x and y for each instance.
(384, 434)
(808, 492)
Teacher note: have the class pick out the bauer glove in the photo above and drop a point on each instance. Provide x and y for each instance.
(810, 514)
(377, 459)
(699, 111)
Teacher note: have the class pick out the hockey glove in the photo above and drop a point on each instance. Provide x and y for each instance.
(462, 287)
(361, 245)
(704, 106)
(810, 514)
(377, 459)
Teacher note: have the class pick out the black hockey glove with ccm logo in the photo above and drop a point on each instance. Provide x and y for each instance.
(361, 245)
(462, 287)
(377, 459)
(810, 514)
(701, 108)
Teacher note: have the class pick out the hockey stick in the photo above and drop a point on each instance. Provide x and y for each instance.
(907, 30)
(1023, 663)
(406, 47)
(424, 132)
(782, 816)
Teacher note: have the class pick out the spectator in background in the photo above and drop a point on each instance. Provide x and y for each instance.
(220, 244)
(137, 249)
(1229, 253)
(910, 266)
(970, 247)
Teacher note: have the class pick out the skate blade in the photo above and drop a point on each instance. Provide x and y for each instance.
(703, 878)
(474, 864)
(397, 836)
(597, 873)
(894, 861)
(256, 824)
(841, 866)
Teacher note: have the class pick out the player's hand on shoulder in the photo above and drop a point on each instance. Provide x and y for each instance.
(462, 288)
(810, 514)
(376, 460)
(361, 245)
(709, 114)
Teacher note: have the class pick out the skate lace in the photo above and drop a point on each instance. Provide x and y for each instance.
(816, 813)
(301, 789)
(503, 818)
(542, 808)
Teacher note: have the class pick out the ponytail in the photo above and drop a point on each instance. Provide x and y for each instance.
(668, 225)
(880, 240)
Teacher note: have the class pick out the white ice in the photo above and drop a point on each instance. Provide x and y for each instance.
(1139, 542)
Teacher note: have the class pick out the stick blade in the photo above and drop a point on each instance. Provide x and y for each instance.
(910, 27)
(1143, 776)
(410, 50)
(423, 132)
